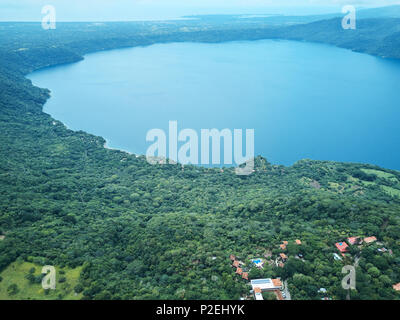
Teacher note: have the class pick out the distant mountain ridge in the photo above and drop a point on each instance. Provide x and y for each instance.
(380, 37)
(377, 33)
(281, 19)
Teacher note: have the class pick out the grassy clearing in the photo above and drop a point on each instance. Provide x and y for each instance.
(368, 183)
(15, 274)
(391, 191)
(380, 174)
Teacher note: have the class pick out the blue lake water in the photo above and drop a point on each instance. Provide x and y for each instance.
(303, 100)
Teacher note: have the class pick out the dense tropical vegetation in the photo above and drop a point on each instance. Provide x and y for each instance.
(139, 231)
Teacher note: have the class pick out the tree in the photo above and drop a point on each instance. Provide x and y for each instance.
(12, 289)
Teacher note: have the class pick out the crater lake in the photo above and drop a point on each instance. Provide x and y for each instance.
(304, 100)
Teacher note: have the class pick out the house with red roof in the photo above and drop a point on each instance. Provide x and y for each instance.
(277, 283)
(342, 246)
(352, 240)
(370, 239)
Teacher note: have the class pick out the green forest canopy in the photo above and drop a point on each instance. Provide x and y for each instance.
(138, 231)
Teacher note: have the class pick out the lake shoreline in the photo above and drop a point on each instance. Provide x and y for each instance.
(164, 46)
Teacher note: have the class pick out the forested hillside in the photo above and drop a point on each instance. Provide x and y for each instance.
(380, 37)
(141, 231)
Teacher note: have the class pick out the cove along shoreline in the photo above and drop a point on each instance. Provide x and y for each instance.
(75, 58)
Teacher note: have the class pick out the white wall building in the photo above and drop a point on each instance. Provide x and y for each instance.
(266, 284)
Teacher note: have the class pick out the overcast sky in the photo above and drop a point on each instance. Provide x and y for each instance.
(107, 10)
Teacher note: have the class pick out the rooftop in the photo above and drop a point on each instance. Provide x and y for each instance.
(370, 239)
(259, 296)
(266, 284)
(283, 256)
(336, 256)
(278, 295)
(277, 282)
(352, 240)
(342, 246)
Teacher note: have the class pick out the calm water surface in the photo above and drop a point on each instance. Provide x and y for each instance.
(303, 100)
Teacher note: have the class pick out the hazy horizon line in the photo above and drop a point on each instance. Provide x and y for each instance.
(332, 9)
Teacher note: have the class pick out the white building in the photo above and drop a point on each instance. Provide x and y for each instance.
(266, 284)
(336, 256)
(258, 295)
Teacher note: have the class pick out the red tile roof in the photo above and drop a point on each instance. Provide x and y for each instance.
(239, 271)
(396, 286)
(352, 240)
(278, 295)
(298, 241)
(285, 242)
(282, 246)
(235, 263)
(342, 246)
(370, 239)
(277, 282)
(245, 275)
(283, 256)
(232, 257)
(257, 290)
